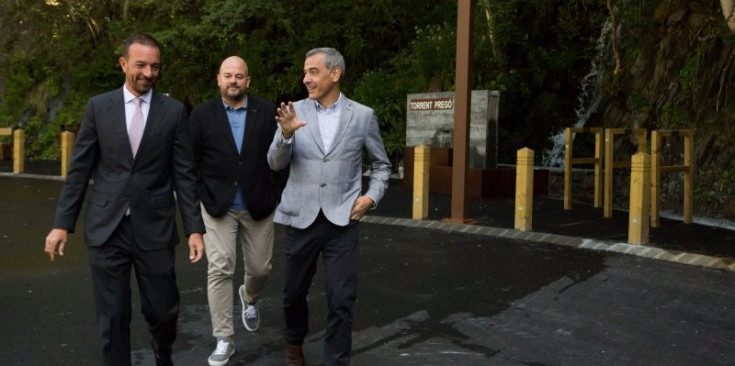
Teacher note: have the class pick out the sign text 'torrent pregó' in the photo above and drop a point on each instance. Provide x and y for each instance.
(430, 104)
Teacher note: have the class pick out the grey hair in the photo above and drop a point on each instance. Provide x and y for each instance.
(334, 58)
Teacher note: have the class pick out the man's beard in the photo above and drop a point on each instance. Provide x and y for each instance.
(235, 96)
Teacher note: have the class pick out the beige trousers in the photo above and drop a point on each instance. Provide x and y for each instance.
(224, 235)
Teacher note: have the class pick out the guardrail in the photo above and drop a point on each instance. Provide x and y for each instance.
(611, 164)
(687, 168)
(570, 160)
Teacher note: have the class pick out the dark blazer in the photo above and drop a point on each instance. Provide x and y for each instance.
(146, 184)
(221, 166)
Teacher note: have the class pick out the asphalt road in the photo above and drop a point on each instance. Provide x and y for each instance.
(426, 297)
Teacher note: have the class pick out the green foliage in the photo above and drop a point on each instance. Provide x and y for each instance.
(637, 18)
(534, 52)
(386, 95)
(543, 49)
(678, 112)
(724, 182)
(637, 103)
(18, 80)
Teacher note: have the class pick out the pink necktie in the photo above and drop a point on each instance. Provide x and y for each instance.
(137, 124)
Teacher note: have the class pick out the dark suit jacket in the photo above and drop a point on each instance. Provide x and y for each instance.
(221, 166)
(146, 184)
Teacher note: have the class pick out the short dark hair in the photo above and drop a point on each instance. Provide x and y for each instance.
(140, 38)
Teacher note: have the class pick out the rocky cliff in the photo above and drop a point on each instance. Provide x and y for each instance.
(677, 73)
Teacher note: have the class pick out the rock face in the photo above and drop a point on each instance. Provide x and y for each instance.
(680, 76)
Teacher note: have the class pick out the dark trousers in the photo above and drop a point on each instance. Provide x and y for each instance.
(338, 247)
(154, 270)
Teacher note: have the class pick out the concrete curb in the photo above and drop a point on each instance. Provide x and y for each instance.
(33, 176)
(721, 263)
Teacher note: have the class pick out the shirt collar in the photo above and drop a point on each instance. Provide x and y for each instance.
(229, 108)
(128, 96)
(332, 108)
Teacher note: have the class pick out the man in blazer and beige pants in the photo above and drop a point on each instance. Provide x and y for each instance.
(231, 134)
(134, 143)
(324, 138)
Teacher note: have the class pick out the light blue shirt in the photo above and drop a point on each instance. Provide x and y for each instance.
(329, 121)
(237, 118)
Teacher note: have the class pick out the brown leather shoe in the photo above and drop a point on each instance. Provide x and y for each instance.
(294, 356)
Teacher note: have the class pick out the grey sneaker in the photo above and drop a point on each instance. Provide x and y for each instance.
(225, 349)
(250, 314)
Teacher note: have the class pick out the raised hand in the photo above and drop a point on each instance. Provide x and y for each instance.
(286, 117)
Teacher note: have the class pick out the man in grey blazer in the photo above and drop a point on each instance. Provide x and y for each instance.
(131, 218)
(324, 138)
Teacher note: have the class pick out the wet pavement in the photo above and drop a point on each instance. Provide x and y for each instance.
(429, 294)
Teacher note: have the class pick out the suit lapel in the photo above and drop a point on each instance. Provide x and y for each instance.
(155, 113)
(223, 123)
(312, 123)
(250, 121)
(118, 121)
(345, 118)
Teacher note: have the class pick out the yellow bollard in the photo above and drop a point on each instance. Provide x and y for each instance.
(524, 190)
(67, 145)
(5, 131)
(640, 199)
(421, 183)
(19, 152)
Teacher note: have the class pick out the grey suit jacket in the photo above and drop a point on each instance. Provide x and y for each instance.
(330, 181)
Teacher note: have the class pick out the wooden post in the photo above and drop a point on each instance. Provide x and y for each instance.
(462, 99)
(688, 177)
(609, 166)
(640, 198)
(524, 190)
(599, 152)
(568, 169)
(655, 177)
(421, 182)
(642, 143)
(656, 169)
(67, 145)
(19, 152)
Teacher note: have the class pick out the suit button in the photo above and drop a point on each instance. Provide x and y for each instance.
(323, 185)
(235, 183)
(326, 160)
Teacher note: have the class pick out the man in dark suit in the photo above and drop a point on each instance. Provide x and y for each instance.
(134, 143)
(230, 136)
(323, 138)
